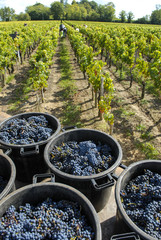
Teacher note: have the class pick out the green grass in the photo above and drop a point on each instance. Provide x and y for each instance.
(148, 149)
(20, 96)
(118, 100)
(69, 88)
(151, 88)
(10, 78)
(126, 113)
(71, 115)
(14, 106)
(143, 102)
(140, 127)
(71, 112)
(146, 135)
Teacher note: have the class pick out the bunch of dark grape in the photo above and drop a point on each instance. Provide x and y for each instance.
(3, 183)
(141, 200)
(25, 131)
(49, 220)
(83, 159)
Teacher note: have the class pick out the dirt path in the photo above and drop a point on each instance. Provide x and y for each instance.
(54, 101)
(128, 112)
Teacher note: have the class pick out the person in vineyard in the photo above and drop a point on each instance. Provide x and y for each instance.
(61, 33)
(64, 32)
(61, 27)
(14, 35)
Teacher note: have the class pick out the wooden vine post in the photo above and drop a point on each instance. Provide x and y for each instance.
(5, 77)
(101, 95)
(92, 94)
(96, 99)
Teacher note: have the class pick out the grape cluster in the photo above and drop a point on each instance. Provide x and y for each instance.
(141, 200)
(83, 159)
(49, 220)
(25, 131)
(3, 183)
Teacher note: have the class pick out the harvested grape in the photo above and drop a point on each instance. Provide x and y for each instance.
(49, 220)
(25, 131)
(83, 159)
(141, 200)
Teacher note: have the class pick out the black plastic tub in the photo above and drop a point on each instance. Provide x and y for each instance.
(29, 158)
(123, 222)
(96, 187)
(8, 172)
(38, 192)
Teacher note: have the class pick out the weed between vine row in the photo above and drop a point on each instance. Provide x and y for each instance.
(21, 96)
(71, 111)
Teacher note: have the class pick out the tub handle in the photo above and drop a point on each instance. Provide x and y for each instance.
(110, 182)
(43, 175)
(68, 127)
(8, 152)
(24, 153)
(121, 166)
(124, 236)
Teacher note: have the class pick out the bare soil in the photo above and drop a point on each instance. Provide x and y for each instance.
(129, 111)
